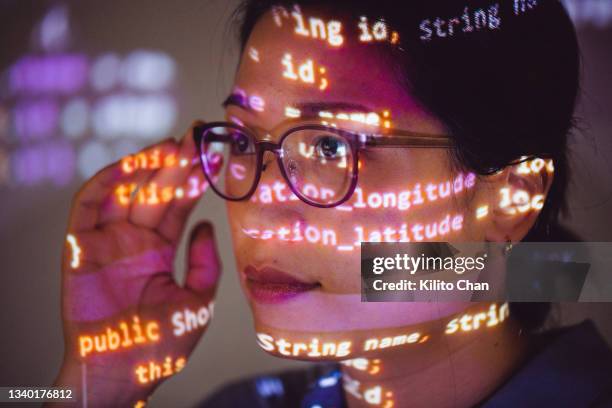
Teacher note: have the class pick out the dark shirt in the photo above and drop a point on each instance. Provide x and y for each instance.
(571, 368)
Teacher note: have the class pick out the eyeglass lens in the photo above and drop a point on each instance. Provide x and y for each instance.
(317, 163)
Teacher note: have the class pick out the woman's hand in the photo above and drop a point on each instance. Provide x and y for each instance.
(128, 325)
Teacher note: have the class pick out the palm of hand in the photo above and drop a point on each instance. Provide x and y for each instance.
(119, 293)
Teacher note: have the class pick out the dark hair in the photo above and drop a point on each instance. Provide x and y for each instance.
(502, 93)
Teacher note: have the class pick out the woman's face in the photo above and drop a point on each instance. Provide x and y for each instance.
(300, 265)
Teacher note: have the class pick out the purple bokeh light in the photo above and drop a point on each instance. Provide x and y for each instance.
(50, 161)
(62, 73)
(35, 119)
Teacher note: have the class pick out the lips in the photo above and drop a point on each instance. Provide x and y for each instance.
(269, 285)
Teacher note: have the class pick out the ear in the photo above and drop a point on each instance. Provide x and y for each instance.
(517, 196)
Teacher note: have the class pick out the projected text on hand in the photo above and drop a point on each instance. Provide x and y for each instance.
(153, 371)
(126, 335)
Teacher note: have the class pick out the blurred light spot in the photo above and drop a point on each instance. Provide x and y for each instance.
(64, 73)
(35, 119)
(105, 72)
(254, 54)
(329, 381)
(482, 211)
(148, 70)
(75, 117)
(93, 157)
(55, 29)
(269, 386)
(51, 161)
(594, 12)
(147, 117)
(292, 112)
(75, 260)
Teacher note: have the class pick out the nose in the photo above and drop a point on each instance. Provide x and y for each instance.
(267, 160)
(273, 189)
(273, 206)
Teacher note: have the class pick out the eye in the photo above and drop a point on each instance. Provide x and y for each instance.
(241, 144)
(331, 147)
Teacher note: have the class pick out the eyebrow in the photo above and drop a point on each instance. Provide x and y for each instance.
(237, 99)
(307, 109)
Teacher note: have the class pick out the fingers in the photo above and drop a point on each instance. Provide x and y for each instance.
(134, 186)
(86, 203)
(155, 188)
(150, 216)
(204, 265)
(116, 205)
(173, 222)
(106, 196)
(148, 212)
(170, 216)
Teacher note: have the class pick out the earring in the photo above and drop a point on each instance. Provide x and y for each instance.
(507, 248)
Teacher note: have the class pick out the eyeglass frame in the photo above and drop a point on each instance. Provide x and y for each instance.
(356, 140)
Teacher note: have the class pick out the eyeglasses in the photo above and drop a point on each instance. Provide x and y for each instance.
(320, 163)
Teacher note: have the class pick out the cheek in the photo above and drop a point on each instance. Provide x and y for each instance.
(478, 208)
(411, 185)
(235, 214)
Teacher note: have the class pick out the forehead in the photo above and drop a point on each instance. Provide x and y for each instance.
(302, 55)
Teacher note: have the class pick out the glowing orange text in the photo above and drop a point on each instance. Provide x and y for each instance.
(474, 321)
(152, 194)
(125, 336)
(153, 371)
(152, 160)
(307, 72)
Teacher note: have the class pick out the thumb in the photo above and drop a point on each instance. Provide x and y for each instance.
(204, 265)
